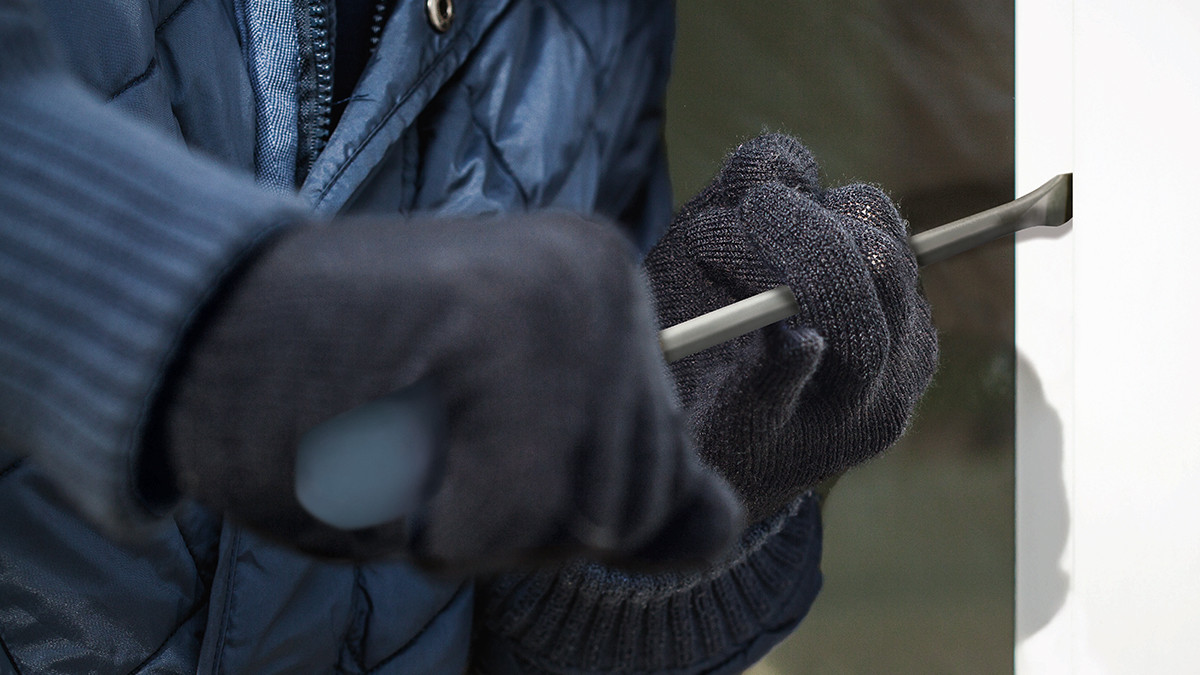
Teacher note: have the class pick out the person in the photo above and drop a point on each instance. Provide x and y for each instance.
(217, 232)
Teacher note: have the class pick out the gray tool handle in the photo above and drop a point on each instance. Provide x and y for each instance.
(1049, 205)
(726, 323)
(368, 467)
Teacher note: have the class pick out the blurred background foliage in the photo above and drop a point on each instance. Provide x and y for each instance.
(915, 97)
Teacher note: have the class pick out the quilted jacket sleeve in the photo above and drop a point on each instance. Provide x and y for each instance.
(111, 239)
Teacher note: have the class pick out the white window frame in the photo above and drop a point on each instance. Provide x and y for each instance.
(1108, 421)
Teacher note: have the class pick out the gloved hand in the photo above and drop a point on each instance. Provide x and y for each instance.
(562, 433)
(779, 410)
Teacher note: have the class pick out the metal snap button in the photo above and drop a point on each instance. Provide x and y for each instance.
(440, 13)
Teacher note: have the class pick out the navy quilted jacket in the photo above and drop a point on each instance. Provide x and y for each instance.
(131, 134)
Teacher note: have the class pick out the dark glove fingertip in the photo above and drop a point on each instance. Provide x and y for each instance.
(786, 159)
(889, 257)
(770, 158)
(868, 205)
(788, 224)
(769, 207)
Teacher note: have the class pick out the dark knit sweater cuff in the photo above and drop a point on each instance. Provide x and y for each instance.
(586, 618)
(111, 239)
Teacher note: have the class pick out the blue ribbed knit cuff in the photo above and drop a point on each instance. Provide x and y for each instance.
(586, 618)
(111, 238)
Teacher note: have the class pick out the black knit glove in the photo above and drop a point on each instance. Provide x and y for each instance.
(781, 409)
(562, 434)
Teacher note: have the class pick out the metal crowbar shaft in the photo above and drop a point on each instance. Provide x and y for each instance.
(368, 466)
(1047, 206)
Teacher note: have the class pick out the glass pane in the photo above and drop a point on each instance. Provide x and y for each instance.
(917, 97)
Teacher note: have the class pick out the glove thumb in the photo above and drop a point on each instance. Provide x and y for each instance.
(699, 531)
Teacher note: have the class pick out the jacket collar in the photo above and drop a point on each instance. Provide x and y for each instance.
(412, 63)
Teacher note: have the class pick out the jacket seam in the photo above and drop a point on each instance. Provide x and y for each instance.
(145, 75)
(153, 65)
(577, 31)
(8, 654)
(187, 546)
(412, 173)
(227, 605)
(12, 467)
(186, 620)
(462, 588)
(357, 645)
(501, 161)
(171, 17)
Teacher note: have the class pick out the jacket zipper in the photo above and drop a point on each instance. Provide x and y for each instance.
(314, 87)
(317, 22)
(382, 12)
(322, 37)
